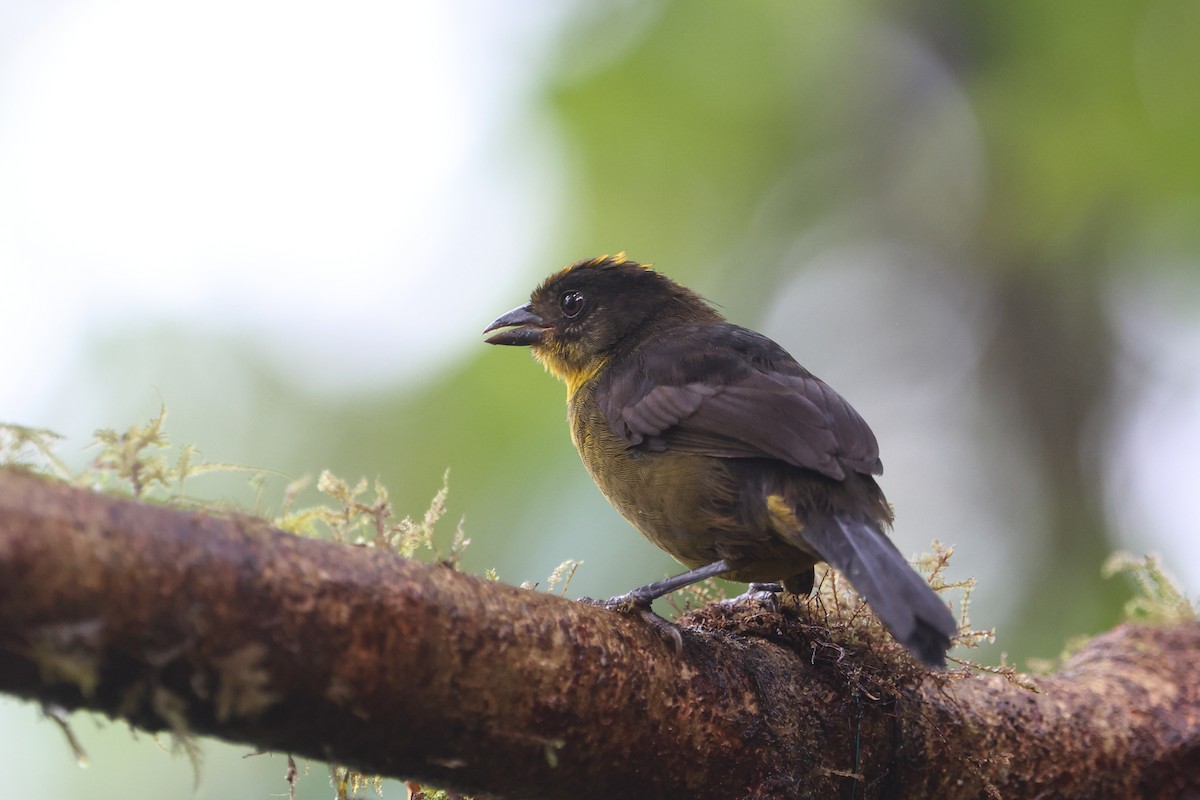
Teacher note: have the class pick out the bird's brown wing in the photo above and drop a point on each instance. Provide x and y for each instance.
(725, 391)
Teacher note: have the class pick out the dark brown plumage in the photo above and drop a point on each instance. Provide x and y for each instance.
(717, 445)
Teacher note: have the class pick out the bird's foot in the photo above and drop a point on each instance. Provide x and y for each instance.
(765, 593)
(636, 603)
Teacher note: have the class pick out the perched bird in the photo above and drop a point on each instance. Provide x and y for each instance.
(716, 445)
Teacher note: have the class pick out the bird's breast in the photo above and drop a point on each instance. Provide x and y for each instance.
(686, 504)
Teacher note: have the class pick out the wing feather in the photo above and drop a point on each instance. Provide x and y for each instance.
(729, 392)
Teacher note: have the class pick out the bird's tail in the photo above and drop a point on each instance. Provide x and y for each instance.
(900, 597)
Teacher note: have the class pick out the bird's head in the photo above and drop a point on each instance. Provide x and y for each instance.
(583, 315)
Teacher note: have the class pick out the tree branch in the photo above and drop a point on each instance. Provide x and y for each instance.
(223, 626)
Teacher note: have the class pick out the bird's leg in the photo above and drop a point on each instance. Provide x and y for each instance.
(647, 594)
(639, 599)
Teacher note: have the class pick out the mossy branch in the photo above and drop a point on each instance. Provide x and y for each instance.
(221, 625)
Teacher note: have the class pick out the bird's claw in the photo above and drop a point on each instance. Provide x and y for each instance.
(632, 603)
(765, 593)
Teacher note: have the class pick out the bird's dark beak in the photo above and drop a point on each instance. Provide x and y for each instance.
(524, 328)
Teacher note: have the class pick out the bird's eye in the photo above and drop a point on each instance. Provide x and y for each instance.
(572, 304)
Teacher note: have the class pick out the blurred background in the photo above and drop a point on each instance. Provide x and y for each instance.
(290, 221)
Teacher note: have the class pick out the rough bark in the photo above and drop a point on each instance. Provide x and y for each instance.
(220, 625)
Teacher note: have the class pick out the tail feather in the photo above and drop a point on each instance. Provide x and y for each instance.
(900, 597)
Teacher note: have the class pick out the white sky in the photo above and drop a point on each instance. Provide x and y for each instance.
(1152, 469)
(298, 170)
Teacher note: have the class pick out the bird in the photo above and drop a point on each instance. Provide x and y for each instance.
(718, 446)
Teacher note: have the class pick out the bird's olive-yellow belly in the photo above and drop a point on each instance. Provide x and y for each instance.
(685, 504)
